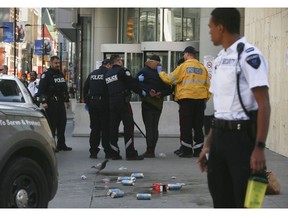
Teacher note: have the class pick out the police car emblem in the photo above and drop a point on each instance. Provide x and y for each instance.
(254, 61)
(43, 76)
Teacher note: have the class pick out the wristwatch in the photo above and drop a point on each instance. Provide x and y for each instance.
(261, 145)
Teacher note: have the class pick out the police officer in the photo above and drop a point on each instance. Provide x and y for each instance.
(235, 150)
(96, 97)
(120, 83)
(191, 93)
(53, 93)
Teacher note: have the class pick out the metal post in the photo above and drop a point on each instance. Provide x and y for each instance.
(61, 57)
(15, 24)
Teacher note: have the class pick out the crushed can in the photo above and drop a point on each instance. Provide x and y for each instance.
(110, 191)
(137, 175)
(120, 178)
(176, 186)
(143, 196)
(117, 194)
(255, 192)
(128, 182)
(159, 187)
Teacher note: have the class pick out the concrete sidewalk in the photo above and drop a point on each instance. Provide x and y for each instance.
(75, 192)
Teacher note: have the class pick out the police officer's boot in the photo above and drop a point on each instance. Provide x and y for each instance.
(150, 153)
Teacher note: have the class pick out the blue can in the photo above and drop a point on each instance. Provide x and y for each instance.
(128, 182)
(176, 186)
(143, 196)
(110, 191)
(120, 178)
(117, 194)
(137, 175)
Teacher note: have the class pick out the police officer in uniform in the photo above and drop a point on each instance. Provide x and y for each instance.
(191, 93)
(53, 94)
(96, 97)
(235, 150)
(120, 83)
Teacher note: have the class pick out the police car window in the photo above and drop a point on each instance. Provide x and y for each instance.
(10, 92)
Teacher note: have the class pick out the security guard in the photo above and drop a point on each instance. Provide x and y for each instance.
(120, 83)
(96, 97)
(191, 93)
(240, 87)
(53, 94)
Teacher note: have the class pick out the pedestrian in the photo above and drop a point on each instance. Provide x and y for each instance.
(96, 98)
(235, 150)
(33, 84)
(191, 93)
(54, 95)
(120, 83)
(23, 79)
(152, 104)
(4, 69)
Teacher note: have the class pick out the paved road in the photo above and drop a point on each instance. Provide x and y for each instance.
(75, 192)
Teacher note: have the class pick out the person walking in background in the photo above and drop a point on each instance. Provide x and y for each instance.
(120, 83)
(4, 69)
(96, 98)
(23, 79)
(152, 104)
(33, 84)
(53, 92)
(191, 93)
(239, 84)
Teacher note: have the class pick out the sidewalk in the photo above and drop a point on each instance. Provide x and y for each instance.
(75, 192)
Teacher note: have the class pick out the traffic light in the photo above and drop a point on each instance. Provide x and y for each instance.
(130, 29)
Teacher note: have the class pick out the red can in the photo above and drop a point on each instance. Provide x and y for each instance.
(159, 187)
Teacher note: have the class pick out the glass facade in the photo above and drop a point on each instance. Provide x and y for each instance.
(159, 24)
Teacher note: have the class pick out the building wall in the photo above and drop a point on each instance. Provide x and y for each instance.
(267, 29)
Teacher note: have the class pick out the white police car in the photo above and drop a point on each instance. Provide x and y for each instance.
(28, 165)
(12, 91)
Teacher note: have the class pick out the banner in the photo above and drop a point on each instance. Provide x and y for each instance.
(8, 35)
(48, 47)
(20, 29)
(38, 47)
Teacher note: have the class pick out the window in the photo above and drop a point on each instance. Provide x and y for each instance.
(10, 92)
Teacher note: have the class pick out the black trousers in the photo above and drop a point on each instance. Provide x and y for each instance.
(229, 167)
(120, 110)
(191, 116)
(56, 113)
(151, 116)
(99, 124)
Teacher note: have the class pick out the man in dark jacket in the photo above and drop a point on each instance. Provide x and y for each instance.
(152, 105)
(120, 83)
(96, 98)
(54, 94)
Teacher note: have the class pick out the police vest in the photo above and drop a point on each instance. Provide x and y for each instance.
(114, 81)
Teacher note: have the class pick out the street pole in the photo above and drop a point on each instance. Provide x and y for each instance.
(61, 57)
(15, 24)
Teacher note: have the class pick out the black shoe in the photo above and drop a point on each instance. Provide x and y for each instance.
(93, 156)
(148, 155)
(178, 151)
(136, 157)
(108, 156)
(116, 157)
(66, 148)
(197, 152)
(186, 155)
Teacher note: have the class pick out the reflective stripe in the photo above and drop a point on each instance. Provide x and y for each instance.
(199, 145)
(193, 81)
(186, 144)
(128, 143)
(173, 79)
(114, 148)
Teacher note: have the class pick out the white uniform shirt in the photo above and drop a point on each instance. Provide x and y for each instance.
(33, 87)
(224, 80)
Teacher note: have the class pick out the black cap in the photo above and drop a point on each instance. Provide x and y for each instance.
(155, 58)
(105, 61)
(190, 49)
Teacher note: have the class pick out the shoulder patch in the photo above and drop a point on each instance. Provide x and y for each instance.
(250, 49)
(127, 73)
(43, 76)
(254, 61)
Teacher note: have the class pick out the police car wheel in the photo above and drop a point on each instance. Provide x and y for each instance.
(23, 184)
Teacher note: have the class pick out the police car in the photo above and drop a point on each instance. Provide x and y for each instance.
(12, 91)
(28, 166)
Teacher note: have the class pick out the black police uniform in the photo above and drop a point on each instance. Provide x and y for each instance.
(53, 91)
(120, 82)
(96, 97)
